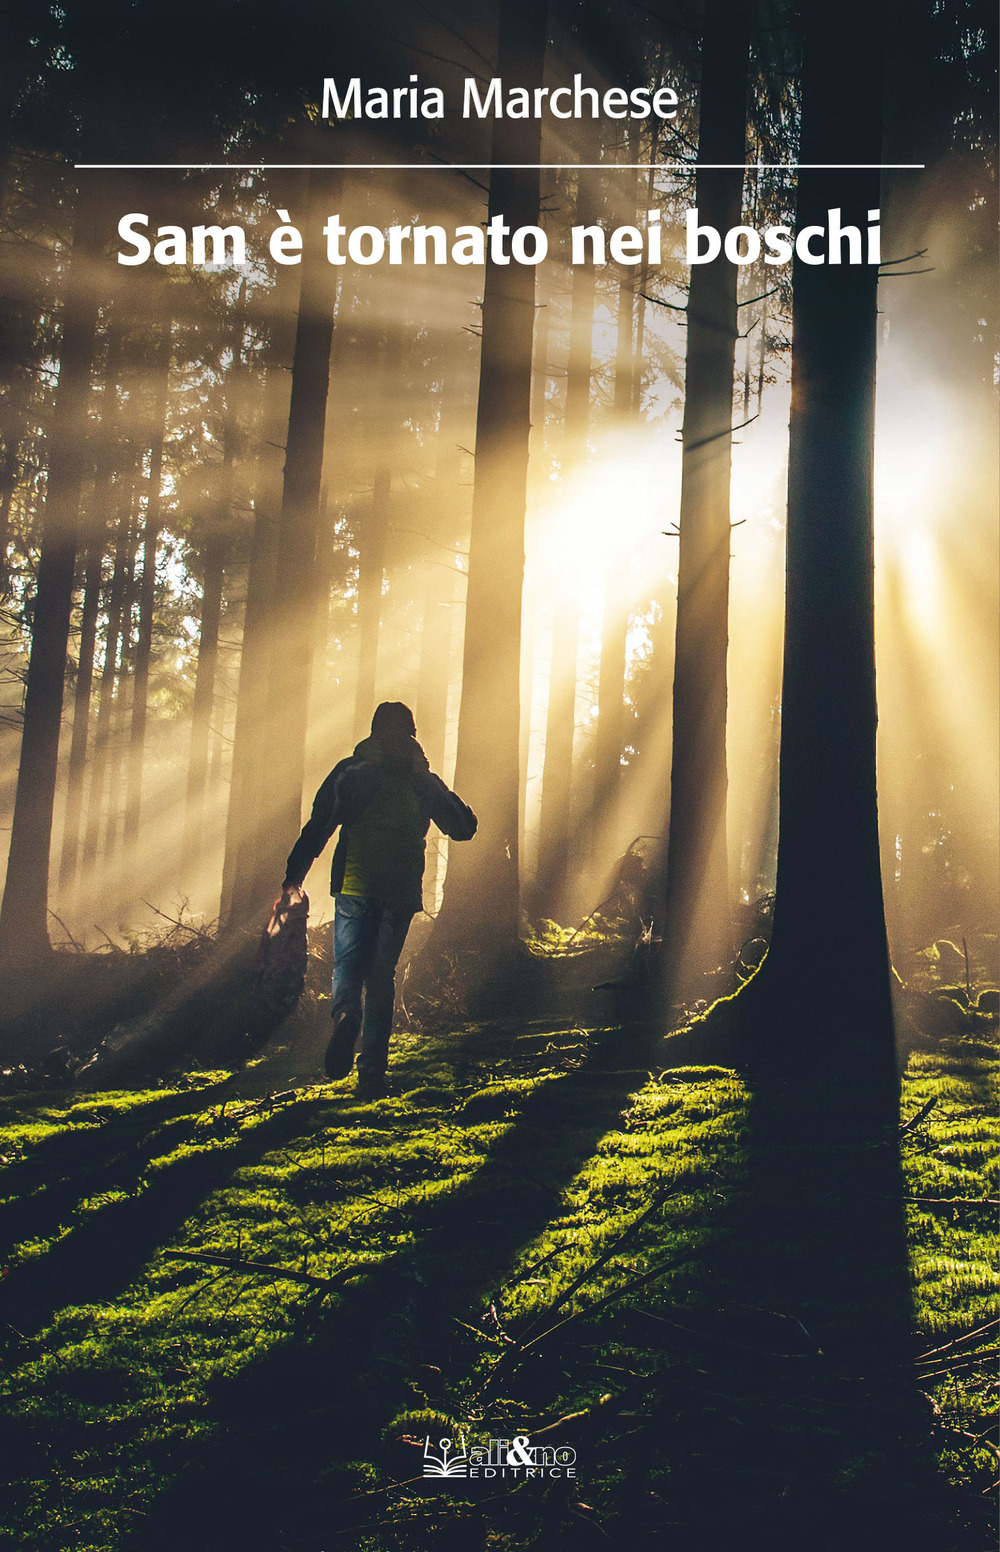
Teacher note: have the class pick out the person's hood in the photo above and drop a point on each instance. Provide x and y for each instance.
(398, 749)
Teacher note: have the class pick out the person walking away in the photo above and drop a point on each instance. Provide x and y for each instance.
(383, 797)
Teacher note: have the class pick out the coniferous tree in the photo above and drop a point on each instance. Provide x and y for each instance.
(614, 624)
(147, 588)
(481, 903)
(295, 589)
(829, 869)
(555, 824)
(97, 533)
(696, 910)
(24, 939)
(247, 875)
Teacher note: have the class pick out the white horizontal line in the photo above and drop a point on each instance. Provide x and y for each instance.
(686, 167)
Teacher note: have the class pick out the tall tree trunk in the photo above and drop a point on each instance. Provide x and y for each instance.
(70, 856)
(24, 936)
(481, 903)
(214, 560)
(325, 550)
(373, 534)
(97, 790)
(121, 715)
(248, 868)
(644, 268)
(432, 690)
(214, 553)
(560, 723)
(295, 587)
(372, 544)
(614, 625)
(101, 501)
(439, 594)
(829, 874)
(147, 594)
(541, 465)
(696, 921)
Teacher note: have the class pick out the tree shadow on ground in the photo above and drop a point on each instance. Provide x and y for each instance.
(96, 1155)
(106, 1251)
(274, 1475)
(99, 1256)
(788, 1415)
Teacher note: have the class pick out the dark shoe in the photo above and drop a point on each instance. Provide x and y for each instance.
(372, 1088)
(339, 1057)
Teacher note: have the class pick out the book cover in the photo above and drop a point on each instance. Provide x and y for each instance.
(539, 463)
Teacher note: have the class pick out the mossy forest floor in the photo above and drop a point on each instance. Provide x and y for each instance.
(549, 1234)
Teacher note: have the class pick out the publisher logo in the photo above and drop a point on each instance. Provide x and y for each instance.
(515, 1459)
(447, 1461)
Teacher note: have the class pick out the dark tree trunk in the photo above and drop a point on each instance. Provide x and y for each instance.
(214, 560)
(201, 772)
(540, 463)
(555, 827)
(540, 369)
(432, 690)
(325, 550)
(481, 904)
(97, 790)
(101, 500)
(373, 534)
(248, 868)
(643, 283)
(24, 936)
(439, 597)
(147, 596)
(614, 626)
(121, 713)
(295, 586)
(829, 885)
(82, 694)
(696, 918)
(372, 538)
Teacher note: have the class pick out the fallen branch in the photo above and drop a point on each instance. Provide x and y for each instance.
(77, 946)
(266, 1269)
(562, 1424)
(269, 1101)
(595, 1266)
(969, 1365)
(957, 1341)
(954, 1201)
(924, 1110)
(660, 1270)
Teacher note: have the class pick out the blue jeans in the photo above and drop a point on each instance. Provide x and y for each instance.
(368, 938)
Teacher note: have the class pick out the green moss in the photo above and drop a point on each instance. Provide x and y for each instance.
(517, 1185)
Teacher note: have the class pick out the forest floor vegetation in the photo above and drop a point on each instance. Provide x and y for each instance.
(236, 1305)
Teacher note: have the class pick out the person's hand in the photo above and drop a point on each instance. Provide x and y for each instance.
(293, 891)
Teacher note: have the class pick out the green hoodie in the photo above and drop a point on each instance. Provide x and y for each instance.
(385, 844)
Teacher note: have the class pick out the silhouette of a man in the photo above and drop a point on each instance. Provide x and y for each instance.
(384, 797)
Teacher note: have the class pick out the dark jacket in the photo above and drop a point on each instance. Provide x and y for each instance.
(348, 790)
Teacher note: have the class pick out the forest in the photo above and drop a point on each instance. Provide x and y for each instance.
(683, 554)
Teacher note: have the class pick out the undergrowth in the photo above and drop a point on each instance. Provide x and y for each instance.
(232, 1319)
